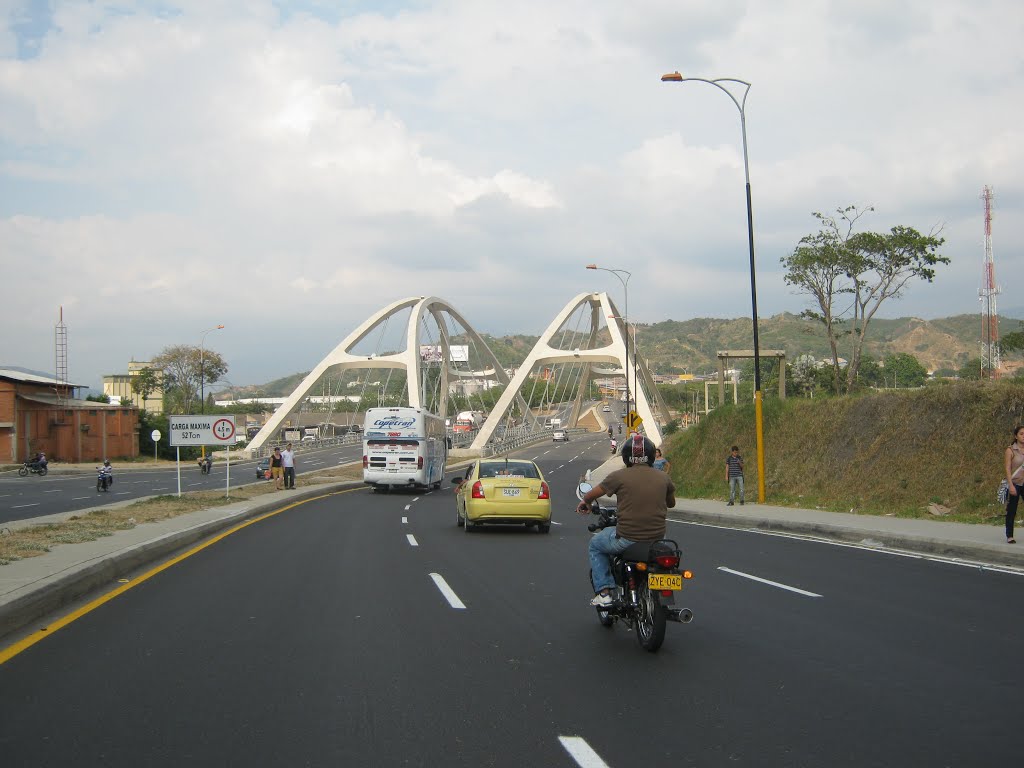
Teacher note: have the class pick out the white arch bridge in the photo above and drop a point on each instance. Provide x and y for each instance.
(420, 351)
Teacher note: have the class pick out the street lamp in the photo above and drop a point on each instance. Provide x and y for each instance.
(202, 370)
(625, 319)
(675, 77)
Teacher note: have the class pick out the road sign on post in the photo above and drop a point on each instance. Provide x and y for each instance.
(633, 420)
(202, 430)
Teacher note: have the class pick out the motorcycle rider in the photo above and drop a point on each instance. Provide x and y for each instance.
(106, 473)
(38, 461)
(644, 496)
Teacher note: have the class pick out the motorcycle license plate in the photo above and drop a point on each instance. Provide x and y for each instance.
(509, 491)
(665, 580)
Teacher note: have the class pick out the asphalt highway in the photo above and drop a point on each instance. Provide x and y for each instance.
(367, 629)
(25, 498)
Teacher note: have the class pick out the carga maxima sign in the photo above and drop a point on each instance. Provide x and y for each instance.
(202, 430)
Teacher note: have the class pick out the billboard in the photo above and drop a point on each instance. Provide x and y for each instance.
(431, 353)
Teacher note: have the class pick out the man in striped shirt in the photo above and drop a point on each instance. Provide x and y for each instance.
(734, 474)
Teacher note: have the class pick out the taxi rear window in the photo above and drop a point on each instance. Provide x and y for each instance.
(501, 469)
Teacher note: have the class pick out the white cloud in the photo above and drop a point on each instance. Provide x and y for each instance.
(224, 162)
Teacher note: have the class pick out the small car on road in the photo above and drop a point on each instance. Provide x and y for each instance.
(559, 435)
(503, 491)
(263, 469)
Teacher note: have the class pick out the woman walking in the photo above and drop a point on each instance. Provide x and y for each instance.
(1013, 466)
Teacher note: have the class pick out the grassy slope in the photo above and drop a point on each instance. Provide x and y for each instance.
(890, 452)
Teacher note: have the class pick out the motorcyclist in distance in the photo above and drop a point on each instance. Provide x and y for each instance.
(644, 495)
(107, 472)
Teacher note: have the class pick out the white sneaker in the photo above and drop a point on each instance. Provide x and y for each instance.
(601, 601)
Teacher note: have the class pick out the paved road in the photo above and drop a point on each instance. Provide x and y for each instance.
(23, 498)
(322, 636)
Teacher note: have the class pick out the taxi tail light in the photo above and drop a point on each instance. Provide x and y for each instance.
(478, 490)
(366, 461)
(419, 462)
(666, 593)
(545, 492)
(667, 561)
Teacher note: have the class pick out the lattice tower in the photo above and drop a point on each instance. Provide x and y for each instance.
(990, 360)
(61, 365)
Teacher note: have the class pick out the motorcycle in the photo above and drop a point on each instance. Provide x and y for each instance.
(647, 577)
(615, 445)
(103, 479)
(32, 467)
(205, 465)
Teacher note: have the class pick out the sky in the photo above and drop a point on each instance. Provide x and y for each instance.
(287, 169)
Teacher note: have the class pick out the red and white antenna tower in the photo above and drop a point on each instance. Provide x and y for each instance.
(987, 294)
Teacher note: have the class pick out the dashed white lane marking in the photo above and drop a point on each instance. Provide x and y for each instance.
(448, 592)
(405, 520)
(770, 583)
(159, 489)
(21, 506)
(582, 752)
(80, 498)
(55, 490)
(122, 493)
(555, 522)
(412, 539)
(415, 498)
(407, 507)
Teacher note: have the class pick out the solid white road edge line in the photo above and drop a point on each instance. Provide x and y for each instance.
(449, 594)
(769, 583)
(878, 550)
(582, 752)
(412, 539)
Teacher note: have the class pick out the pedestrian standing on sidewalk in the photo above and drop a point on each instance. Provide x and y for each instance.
(660, 462)
(288, 460)
(277, 467)
(734, 474)
(1013, 467)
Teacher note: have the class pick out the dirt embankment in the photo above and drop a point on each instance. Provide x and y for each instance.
(910, 453)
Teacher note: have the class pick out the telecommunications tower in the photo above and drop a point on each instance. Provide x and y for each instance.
(987, 294)
(60, 333)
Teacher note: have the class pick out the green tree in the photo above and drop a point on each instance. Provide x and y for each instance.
(184, 369)
(849, 275)
(144, 383)
(904, 370)
(971, 370)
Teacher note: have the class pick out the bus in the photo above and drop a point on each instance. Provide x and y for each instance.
(403, 448)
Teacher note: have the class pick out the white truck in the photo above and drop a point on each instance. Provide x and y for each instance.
(403, 448)
(468, 421)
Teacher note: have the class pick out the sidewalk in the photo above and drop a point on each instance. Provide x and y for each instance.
(32, 588)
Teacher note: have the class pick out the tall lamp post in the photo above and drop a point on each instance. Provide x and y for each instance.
(202, 369)
(625, 319)
(675, 77)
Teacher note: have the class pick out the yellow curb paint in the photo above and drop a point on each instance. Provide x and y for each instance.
(11, 651)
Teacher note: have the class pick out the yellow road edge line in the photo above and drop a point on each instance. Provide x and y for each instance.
(11, 651)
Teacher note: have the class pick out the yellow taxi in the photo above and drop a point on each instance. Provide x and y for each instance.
(503, 491)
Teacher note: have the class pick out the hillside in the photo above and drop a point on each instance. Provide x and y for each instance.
(886, 452)
(690, 346)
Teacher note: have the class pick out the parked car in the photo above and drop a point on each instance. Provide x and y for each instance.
(559, 435)
(309, 438)
(357, 427)
(503, 491)
(263, 469)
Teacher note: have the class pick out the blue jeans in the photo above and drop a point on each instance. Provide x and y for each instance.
(603, 545)
(733, 482)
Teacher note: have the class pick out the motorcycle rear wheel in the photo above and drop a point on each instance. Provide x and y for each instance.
(43, 471)
(650, 619)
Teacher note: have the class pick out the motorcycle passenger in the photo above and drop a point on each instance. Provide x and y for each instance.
(644, 496)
